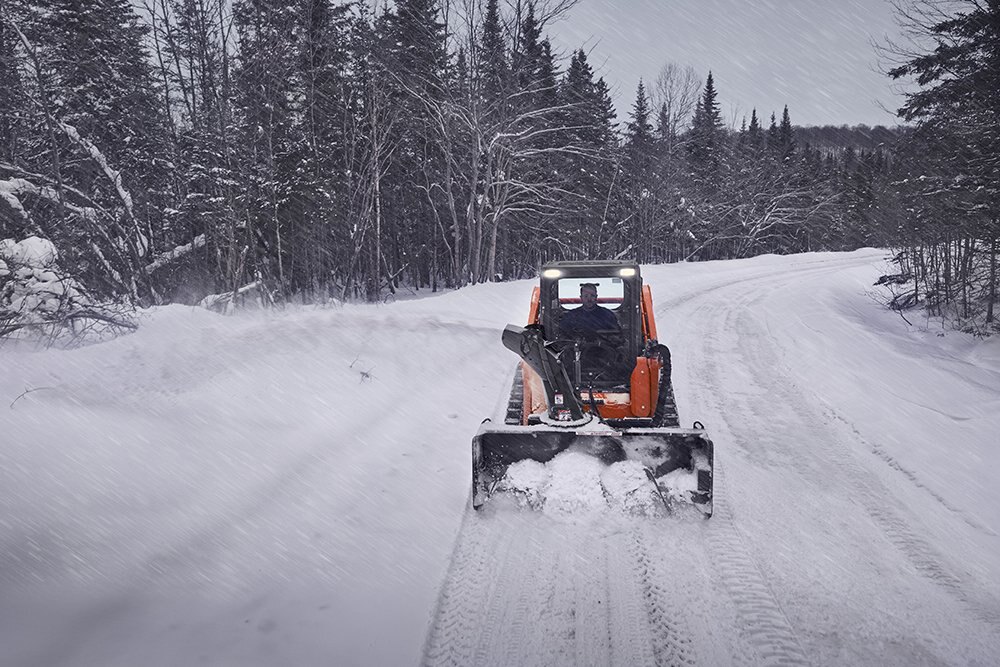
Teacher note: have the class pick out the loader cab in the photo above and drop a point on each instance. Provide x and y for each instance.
(619, 290)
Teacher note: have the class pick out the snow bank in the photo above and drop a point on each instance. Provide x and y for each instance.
(39, 302)
(34, 284)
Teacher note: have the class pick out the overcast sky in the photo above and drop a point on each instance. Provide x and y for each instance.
(816, 56)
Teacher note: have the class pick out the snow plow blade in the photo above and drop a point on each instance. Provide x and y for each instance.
(660, 451)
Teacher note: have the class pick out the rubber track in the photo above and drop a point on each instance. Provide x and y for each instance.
(515, 405)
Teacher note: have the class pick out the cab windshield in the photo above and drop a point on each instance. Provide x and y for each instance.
(610, 292)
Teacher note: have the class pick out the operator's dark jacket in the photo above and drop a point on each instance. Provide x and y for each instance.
(579, 320)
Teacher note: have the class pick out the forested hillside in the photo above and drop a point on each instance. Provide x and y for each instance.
(315, 149)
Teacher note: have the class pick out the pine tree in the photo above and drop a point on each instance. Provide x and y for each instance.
(755, 137)
(589, 170)
(786, 136)
(266, 83)
(604, 115)
(412, 50)
(493, 66)
(642, 186)
(527, 58)
(15, 113)
(640, 147)
(774, 136)
(13, 105)
(318, 186)
(533, 66)
(103, 134)
(581, 94)
(706, 142)
(957, 108)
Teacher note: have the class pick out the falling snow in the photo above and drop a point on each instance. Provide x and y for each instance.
(292, 488)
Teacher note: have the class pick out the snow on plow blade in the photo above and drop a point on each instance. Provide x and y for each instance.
(661, 451)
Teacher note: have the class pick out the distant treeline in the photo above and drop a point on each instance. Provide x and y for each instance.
(859, 137)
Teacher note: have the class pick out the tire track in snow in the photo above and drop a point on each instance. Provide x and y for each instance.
(536, 611)
(632, 642)
(512, 616)
(671, 643)
(826, 425)
(919, 552)
(526, 590)
(763, 622)
(891, 461)
(554, 633)
(588, 578)
(875, 498)
(454, 636)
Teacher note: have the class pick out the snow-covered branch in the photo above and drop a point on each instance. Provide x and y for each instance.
(180, 251)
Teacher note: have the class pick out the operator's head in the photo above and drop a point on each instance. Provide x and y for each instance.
(588, 295)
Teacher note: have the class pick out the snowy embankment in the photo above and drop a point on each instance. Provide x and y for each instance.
(288, 487)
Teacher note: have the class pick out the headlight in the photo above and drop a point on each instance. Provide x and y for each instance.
(627, 272)
(551, 273)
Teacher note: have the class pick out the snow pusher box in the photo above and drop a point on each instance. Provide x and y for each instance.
(593, 381)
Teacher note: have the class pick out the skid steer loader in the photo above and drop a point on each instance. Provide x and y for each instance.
(605, 392)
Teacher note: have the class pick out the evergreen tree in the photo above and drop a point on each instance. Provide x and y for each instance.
(642, 189)
(639, 141)
(13, 106)
(103, 134)
(103, 75)
(706, 140)
(534, 67)
(753, 130)
(318, 183)
(786, 136)
(265, 84)
(774, 137)
(413, 50)
(494, 70)
(753, 136)
(588, 170)
(957, 109)
(527, 58)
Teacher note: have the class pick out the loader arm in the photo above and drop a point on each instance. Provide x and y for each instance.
(528, 343)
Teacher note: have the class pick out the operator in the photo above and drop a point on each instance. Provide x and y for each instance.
(589, 317)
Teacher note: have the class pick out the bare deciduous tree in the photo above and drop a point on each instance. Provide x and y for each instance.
(674, 94)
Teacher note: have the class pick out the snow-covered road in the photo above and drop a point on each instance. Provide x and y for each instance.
(291, 488)
(836, 527)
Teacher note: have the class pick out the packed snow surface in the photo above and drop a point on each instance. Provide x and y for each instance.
(291, 487)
